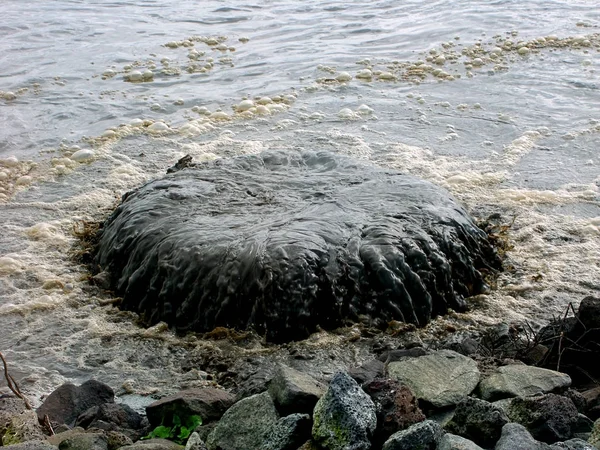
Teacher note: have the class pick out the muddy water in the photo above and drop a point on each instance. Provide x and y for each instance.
(496, 101)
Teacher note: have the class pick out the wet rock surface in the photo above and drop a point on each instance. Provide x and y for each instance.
(283, 242)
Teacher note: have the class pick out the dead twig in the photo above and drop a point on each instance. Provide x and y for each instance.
(48, 425)
(12, 383)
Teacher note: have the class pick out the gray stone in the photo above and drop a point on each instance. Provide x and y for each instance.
(195, 443)
(208, 403)
(68, 401)
(549, 418)
(368, 371)
(442, 378)
(294, 391)
(154, 444)
(21, 428)
(245, 425)
(478, 420)
(289, 433)
(344, 417)
(594, 438)
(423, 436)
(521, 381)
(34, 445)
(516, 437)
(453, 442)
(573, 444)
(84, 441)
(9, 406)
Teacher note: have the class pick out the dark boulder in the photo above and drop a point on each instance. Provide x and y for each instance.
(549, 418)
(396, 407)
(478, 420)
(285, 242)
(114, 417)
(68, 401)
(208, 403)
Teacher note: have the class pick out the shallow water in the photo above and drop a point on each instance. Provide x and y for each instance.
(518, 134)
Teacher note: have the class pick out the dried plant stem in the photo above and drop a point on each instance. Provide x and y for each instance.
(12, 384)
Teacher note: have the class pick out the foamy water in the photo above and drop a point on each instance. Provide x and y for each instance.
(496, 101)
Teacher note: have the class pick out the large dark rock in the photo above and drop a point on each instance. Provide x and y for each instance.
(285, 242)
(549, 418)
(114, 417)
(208, 403)
(478, 420)
(396, 407)
(68, 401)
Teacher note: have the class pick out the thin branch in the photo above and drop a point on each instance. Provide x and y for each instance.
(12, 383)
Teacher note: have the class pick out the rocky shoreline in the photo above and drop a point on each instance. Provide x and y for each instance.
(488, 391)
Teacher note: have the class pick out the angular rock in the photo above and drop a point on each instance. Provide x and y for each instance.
(289, 433)
(516, 437)
(285, 242)
(396, 406)
(521, 381)
(549, 418)
(453, 442)
(195, 443)
(442, 378)
(368, 371)
(154, 444)
(578, 399)
(400, 354)
(423, 436)
(84, 441)
(34, 445)
(68, 401)
(344, 417)
(592, 400)
(208, 403)
(478, 420)
(245, 425)
(9, 406)
(117, 440)
(573, 444)
(21, 428)
(294, 391)
(114, 417)
(594, 438)
(588, 313)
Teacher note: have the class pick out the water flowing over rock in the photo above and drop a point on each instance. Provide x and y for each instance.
(284, 242)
